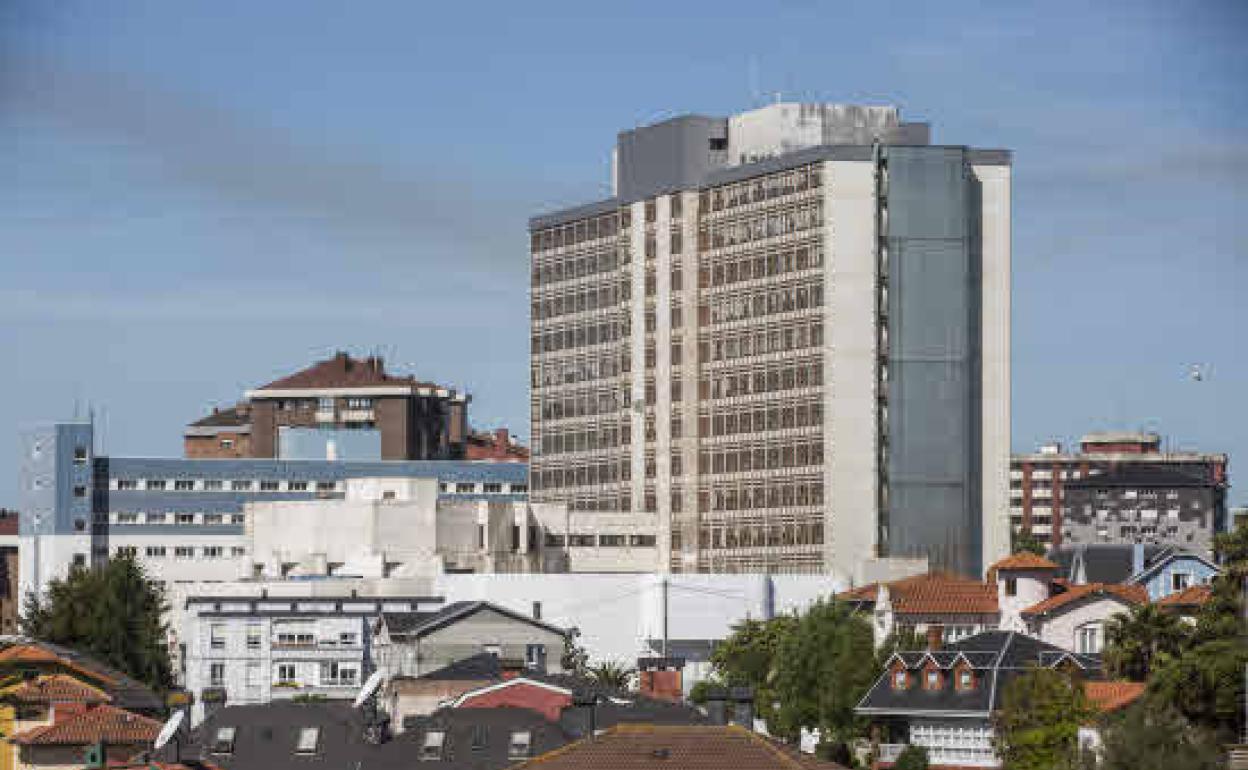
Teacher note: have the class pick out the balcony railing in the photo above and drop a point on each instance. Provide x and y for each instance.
(945, 755)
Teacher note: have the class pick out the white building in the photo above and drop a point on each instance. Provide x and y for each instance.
(786, 337)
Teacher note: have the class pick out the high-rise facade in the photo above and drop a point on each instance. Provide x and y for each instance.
(786, 338)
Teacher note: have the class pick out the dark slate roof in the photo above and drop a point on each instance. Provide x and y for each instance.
(343, 371)
(484, 665)
(230, 417)
(477, 738)
(996, 656)
(1103, 562)
(418, 624)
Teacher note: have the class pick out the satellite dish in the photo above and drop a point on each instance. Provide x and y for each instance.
(168, 731)
(370, 686)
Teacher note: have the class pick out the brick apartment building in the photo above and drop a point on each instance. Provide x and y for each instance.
(1119, 488)
(339, 408)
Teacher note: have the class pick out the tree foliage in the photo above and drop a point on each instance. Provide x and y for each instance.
(1153, 736)
(1026, 542)
(913, 757)
(1038, 724)
(747, 658)
(611, 674)
(823, 667)
(1140, 641)
(574, 660)
(113, 613)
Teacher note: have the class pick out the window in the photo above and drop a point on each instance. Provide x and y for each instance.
(480, 737)
(212, 551)
(359, 403)
(80, 491)
(183, 552)
(80, 455)
(966, 680)
(270, 486)
(431, 749)
(535, 656)
(932, 680)
(155, 551)
(493, 488)
(297, 486)
(348, 638)
(253, 637)
(213, 518)
(239, 485)
(339, 674)
(1088, 639)
(186, 518)
(285, 672)
(238, 551)
(325, 486)
(1180, 580)
(223, 742)
(155, 484)
(126, 550)
(216, 635)
(238, 518)
(127, 484)
(309, 737)
(227, 443)
(519, 488)
(465, 488)
(519, 745)
(127, 518)
(1011, 586)
(183, 485)
(213, 485)
(325, 404)
(216, 675)
(899, 680)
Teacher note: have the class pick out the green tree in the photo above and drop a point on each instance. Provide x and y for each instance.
(574, 660)
(913, 757)
(1142, 640)
(1025, 541)
(1153, 736)
(113, 613)
(1038, 724)
(747, 658)
(611, 674)
(1206, 684)
(823, 667)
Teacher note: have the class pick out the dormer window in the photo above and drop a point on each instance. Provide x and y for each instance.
(931, 679)
(431, 749)
(223, 743)
(309, 738)
(966, 680)
(899, 679)
(521, 742)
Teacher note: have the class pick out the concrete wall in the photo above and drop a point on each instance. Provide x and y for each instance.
(1061, 629)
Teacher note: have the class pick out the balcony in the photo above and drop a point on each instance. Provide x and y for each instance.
(945, 755)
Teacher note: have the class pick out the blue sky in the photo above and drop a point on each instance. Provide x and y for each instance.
(197, 198)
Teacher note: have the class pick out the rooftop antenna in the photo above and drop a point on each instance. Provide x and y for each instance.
(366, 701)
(168, 732)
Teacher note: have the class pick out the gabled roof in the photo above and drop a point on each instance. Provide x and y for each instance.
(54, 688)
(103, 723)
(1103, 562)
(996, 656)
(230, 417)
(1166, 557)
(413, 625)
(127, 693)
(1192, 596)
(942, 593)
(1023, 560)
(1111, 696)
(1126, 594)
(638, 747)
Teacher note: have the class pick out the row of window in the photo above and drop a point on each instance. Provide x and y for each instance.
(574, 233)
(221, 485)
(253, 639)
(794, 453)
(758, 227)
(763, 302)
(795, 335)
(758, 264)
(307, 739)
(802, 373)
(183, 551)
(553, 540)
(569, 370)
(934, 679)
(762, 494)
(126, 518)
(581, 299)
(760, 189)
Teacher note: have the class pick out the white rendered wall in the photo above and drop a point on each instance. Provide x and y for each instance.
(1060, 629)
(850, 403)
(1031, 588)
(995, 359)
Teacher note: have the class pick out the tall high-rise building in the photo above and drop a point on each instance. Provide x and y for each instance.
(786, 337)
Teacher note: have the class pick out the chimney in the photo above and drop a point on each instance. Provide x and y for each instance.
(1137, 558)
(502, 438)
(935, 636)
(717, 705)
(743, 707)
(662, 678)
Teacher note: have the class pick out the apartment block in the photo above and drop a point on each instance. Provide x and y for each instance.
(340, 408)
(786, 337)
(1119, 487)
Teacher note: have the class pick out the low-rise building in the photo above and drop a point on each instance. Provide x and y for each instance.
(249, 650)
(944, 699)
(1161, 569)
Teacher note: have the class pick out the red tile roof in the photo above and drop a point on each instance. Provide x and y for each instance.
(1131, 594)
(932, 593)
(100, 723)
(497, 446)
(1192, 596)
(54, 688)
(343, 371)
(1111, 696)
(26, 654)
(1021, 560)
(666, 747)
